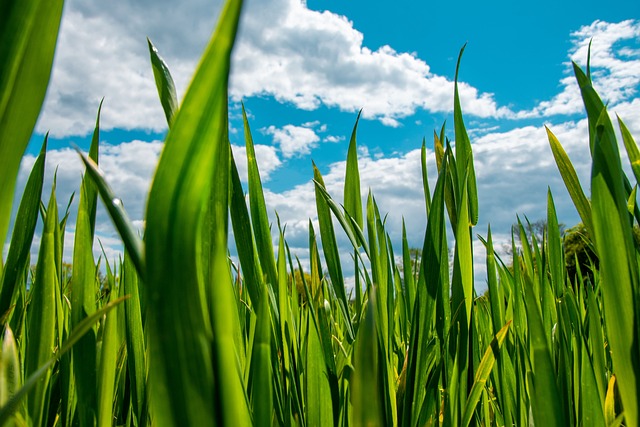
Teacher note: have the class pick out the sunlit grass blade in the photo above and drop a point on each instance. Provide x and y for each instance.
(10, 367)
(242, 233)
(23, 231)
(366, 384)
(261, 375)
(482, 374)
(259, 217)
(464, 156)
(352, 196)
(618, 264)
(425, 176)
(632, 149)
(28, 36)
(571, 181)
(164, 83)
(193, 362)
(330, 249)
(42, 316)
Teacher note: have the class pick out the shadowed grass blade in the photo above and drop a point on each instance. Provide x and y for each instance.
(28, 36)
(23, 232)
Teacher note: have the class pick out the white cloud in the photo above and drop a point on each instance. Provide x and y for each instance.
(294, 141)
(266, 157)
(615, 67)
(285, 50)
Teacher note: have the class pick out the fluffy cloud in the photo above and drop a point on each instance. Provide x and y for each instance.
(284, 50)
(615, 67)
(293, 140)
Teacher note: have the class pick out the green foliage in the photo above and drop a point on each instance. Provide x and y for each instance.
(200, 340)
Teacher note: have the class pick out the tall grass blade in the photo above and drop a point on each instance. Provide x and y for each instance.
(23, 231)
(259, 217)
(352, 196)
(42, 316)
(28, 36)
(185, 337)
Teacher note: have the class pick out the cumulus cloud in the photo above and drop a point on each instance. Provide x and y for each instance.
(615, 67)
(284, 50)
(294, 141)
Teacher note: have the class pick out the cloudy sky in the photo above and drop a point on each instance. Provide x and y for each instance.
(304, 69)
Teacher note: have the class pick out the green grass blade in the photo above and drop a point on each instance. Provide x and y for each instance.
(259, 217)
(464, 156)
(482, 373)
(425, 176)
(632, 149)
(121, 221)
(184, 337)
(330, 249)
(164, 83)
(134, 335)
(618, 264)
(366, 384)
(107, 366)
(28, 36)
(571, 181)
(262, 376)
(542, 381)
(10, 367)
(352, 196)
(42, 316)
(245, 243)
(23, 231)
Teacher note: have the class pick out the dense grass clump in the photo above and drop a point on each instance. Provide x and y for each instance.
(177, 334)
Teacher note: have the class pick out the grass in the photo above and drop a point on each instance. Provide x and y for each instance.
(177, 334)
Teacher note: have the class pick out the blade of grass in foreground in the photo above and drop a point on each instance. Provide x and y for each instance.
(28, 36)
(181, 339)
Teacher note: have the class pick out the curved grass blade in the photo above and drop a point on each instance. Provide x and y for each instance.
(571, 181)
(193, 362)
(464, 156)
(28, 36)
(259, 217)
(483, 372)
(164, 84)
(23, 232)
(126, 230)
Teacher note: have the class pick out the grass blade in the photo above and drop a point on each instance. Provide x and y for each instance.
(28, 36)
(23, 232)
(164, 83)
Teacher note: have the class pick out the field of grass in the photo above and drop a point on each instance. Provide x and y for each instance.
(178, 334)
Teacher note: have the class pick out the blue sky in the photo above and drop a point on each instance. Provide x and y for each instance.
(303, 71)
